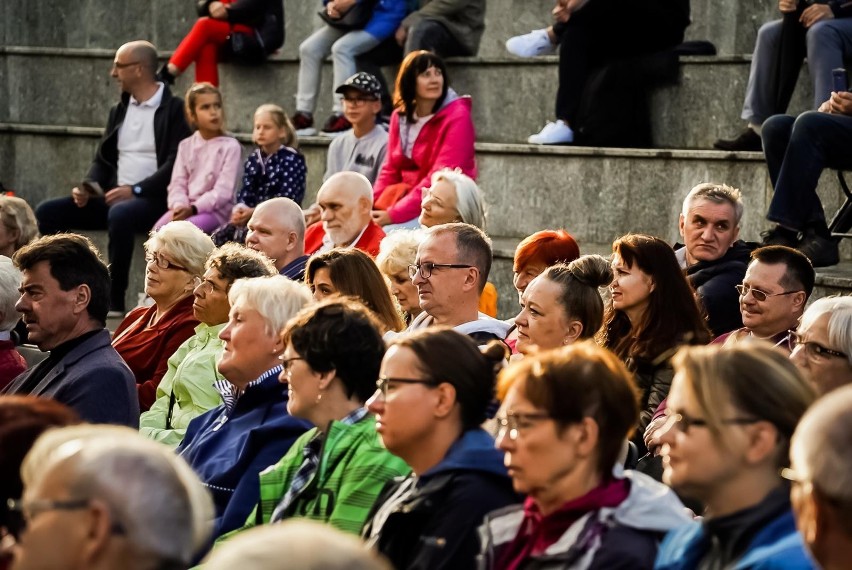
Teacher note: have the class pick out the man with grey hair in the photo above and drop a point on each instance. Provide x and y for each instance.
(714, 259)
(345, 201)
(108, 499)
(450, 272)
(126, 187)
(821, 475)
(277, 228)
(822, 344)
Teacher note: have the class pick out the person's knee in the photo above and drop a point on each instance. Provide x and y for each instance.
(775, 126)
(809, 125)
(822, 35)
(310, 49)
(341, 48)
(421, 31)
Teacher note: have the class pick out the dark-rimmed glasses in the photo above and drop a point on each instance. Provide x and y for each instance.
(514, 423)
(287, 364)
(813, 350)
(162, 262)
(383, 383)
(759, 295)
(22, 512)
(427, 268)
(117, 65)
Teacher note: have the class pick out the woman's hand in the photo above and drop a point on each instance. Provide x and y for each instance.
(218, 11)
(815, 13)
(181, 212)
(381, 217)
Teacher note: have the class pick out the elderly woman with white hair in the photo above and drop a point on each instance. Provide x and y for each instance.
(146, 338)
(396, 252)
(822, 344)
(452, 197)
(11, 361)
(230, 445)
(18, 225)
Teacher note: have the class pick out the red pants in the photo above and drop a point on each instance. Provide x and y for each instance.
(201, 45)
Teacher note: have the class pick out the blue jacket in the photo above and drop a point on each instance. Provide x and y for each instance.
(777, 547)
(435, 526)
(228, 450)
(387, 16)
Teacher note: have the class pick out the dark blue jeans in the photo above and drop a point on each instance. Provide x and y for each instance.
(122, 221)
(797, 150)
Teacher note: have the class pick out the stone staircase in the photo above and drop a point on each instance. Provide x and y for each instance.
(55, 92)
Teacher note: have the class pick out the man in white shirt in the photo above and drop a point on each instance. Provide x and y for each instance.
(126, 187)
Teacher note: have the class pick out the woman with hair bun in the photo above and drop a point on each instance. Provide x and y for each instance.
(563, 305)
(433, 392)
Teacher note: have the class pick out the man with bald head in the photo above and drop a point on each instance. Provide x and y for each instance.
(126, 186)
(277, 229)
(345, 201)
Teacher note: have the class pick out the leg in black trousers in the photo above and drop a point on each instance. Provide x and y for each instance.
(124, 221)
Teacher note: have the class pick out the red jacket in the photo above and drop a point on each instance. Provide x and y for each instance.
(446, 141)
(147, 350)
(369, 242)
(11, 362)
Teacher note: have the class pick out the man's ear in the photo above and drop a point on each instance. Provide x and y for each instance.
(98, 532)
(471, 279)
(365, 205)
(681, 222)
(82, 298)
(292, 240)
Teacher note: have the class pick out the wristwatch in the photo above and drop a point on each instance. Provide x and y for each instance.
(137, 191)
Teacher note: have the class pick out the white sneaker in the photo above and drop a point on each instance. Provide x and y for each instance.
(553, 133)
(533, 44)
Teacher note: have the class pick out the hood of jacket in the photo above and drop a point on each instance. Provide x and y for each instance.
(483, 323)
(650, 506)
(473, 451)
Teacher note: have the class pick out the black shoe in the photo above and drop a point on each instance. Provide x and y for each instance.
(780, 236)
(748, 140)
(822, 251)
(164, 75)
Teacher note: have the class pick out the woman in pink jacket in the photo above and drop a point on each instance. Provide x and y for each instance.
(206, 167)
(430, 129)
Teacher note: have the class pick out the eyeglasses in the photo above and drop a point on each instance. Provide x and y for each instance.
(358, 101)
(117, 65)
(427, 268)
(759, 295)
(287, 364)
(813, 350)
(383, 383)
(22, 512)
(161, 262)
(682, 422)
(515, 423)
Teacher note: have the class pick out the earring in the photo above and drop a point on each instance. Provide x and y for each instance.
(319, 398)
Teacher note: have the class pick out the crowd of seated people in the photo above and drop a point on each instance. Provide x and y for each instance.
(334, 390)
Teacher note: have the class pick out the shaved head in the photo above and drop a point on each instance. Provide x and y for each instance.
(277, 228)
(143, 52)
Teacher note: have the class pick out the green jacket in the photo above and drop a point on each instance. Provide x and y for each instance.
(353, 469)
(191, 374)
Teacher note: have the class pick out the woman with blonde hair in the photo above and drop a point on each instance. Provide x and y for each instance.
(396, 252)
(730, 417)
(18, 225)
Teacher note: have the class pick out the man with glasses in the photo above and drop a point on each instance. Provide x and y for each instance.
(821, 475)
(106, 499)
(773, 295)
(125, 189)
(450, 271)
(64, 302)
(822, 344)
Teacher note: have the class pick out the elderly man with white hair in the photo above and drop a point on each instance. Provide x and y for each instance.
(104, 498)
(11, 361)
(822, 344)
(277, 229)
(345, 202)
(821, 475)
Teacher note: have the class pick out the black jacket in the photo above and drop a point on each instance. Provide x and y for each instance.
(715, 282)
(169, 129)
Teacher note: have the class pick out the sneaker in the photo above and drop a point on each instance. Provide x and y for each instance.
(553, 133)
(780, 236)
(304, 124)
(335, 125)
(748, 140)
(533, 44)
(822, 251)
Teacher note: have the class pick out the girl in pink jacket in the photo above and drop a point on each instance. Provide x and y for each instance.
(430, 129)
(205, 171)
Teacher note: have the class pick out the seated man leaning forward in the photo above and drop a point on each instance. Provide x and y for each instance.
(125, 189)
(714, 259)
(64, 301)
(345, 201)
(450, 272)
(277, 229)
(773, 296)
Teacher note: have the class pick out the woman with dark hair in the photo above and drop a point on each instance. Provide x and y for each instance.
(433, 392)
(431, 128)
(563, 305)
(653, 312)
(731, 414)
(567, 414)
(22, 420)
(354, 273)
(334, 472)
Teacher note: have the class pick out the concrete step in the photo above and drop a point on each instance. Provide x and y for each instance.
(730, 24)
(703, 106)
